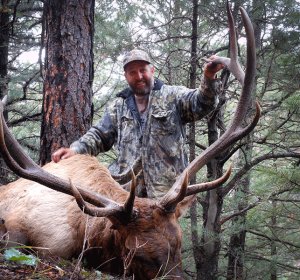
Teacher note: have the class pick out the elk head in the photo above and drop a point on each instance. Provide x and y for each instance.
(144, 230)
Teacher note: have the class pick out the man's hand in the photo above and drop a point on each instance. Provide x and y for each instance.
(212, 67)
(62, 153)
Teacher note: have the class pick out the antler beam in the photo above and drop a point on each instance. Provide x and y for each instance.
(236, 130)
(25, 167)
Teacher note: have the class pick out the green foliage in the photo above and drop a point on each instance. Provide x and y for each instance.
(16, 256)
(292, 103)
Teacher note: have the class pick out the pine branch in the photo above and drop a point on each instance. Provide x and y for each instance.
(283, 265)
(253, 163)
(250, 206)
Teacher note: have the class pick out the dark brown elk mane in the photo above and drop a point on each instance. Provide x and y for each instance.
(116, 231)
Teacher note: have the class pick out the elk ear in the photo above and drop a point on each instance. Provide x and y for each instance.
(184, 205)
(131, 242)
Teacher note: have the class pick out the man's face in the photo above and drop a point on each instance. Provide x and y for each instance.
(139, 76)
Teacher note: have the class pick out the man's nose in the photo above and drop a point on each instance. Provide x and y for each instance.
(139, 75)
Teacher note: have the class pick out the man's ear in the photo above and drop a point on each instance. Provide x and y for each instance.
(152, 69)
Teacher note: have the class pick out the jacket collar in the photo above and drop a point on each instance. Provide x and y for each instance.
(127, 91)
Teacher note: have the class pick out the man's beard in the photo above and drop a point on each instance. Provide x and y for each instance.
(145, 90)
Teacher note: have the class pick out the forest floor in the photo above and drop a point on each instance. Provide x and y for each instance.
(48, 269)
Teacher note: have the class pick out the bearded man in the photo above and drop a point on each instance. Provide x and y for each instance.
(146, 123)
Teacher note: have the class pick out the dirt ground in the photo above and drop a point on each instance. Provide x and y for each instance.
(48, 269)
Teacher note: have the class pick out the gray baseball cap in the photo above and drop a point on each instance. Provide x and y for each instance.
(135, 55)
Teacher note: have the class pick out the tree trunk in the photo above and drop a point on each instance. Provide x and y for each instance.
(4, 40)
(210, 245)
(273, 243)
(210, 241)
(67, 104)
(192, 132)
(236, 248)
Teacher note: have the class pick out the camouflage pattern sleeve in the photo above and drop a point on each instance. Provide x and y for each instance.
(99, 138)
(210, 90)
(197, 103)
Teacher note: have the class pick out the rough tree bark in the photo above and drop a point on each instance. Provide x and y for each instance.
(236, 248)
(4, 40)
(273, 243)
(210, 241)
(67, 104)
(192, 132)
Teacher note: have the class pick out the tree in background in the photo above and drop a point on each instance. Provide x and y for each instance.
(4, 41)
(67, 103)
(19, 81)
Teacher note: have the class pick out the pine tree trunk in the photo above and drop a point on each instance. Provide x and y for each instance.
(236, 248)
(192, 133)
(67, 104)
(273, 243)
(4, 40)
(210, 241)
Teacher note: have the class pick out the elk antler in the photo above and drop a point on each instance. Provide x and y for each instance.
(235, 131)
(125, 177)
(98, 212)
(25, 167)
(232, 63)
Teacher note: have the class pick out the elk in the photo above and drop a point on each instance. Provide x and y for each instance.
(117, 232)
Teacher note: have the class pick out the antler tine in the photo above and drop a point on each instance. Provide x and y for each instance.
(122, 216)
(128, 205)
(4, 102)
(235, 131)
(25, 167)
(231, 63)
(171, 199)
(203, 187)
(234, 65)
(126, 176)
(90, 210)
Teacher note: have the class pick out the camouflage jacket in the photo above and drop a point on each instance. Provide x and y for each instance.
(160, 142)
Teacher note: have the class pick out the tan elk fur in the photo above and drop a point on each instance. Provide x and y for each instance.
(41, 217)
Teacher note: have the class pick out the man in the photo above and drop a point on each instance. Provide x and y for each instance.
(147, 121)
